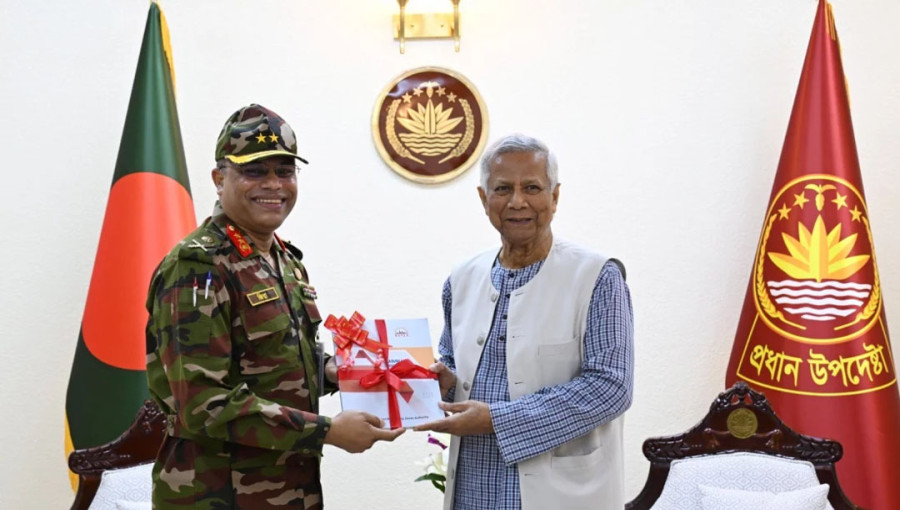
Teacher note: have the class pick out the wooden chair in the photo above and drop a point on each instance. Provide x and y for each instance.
(740, 420)
(137, 445)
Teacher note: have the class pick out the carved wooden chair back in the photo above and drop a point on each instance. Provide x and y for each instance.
(740, 420)
(137, 445)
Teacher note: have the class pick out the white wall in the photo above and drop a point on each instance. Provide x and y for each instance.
(667, 116)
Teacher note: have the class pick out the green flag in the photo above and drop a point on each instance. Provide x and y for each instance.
(149, 209)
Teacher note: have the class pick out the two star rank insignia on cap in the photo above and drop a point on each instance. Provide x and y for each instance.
(261, 138)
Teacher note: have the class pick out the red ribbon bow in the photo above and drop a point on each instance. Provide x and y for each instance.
(404, 369)
(348, 332)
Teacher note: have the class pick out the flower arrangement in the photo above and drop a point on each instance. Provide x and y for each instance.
(435, 464)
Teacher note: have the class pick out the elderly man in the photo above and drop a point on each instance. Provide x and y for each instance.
(232, 354)
(536, 354)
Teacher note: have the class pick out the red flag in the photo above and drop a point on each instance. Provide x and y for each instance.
(813, 334)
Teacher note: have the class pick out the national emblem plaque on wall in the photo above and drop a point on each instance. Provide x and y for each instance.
(429, 124)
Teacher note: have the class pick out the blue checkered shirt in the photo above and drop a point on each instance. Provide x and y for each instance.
(487, 475)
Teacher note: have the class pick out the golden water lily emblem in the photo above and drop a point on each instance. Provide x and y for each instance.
(429, 125)
(816, 280)
(819, 255)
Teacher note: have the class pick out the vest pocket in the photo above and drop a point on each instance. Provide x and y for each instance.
(565, 347)
(562, 459)
(559, 361)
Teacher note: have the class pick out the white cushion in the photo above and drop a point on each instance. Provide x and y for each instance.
(812, 498)
(740, 470)
(123, 485)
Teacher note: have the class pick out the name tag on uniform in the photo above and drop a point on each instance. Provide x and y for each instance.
(262, 296)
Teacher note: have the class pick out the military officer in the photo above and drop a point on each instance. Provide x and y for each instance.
(231, 343)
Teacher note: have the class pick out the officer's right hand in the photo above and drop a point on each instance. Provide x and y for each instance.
(357, 431)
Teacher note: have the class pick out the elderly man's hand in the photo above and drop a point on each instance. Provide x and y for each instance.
(446, 377)
(467, 418)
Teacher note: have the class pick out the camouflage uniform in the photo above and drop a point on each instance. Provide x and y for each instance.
(235, 372)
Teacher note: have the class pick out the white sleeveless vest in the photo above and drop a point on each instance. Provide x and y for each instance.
(544, 347)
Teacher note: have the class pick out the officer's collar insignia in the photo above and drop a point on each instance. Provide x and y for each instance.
(262, 296)
(239, 241)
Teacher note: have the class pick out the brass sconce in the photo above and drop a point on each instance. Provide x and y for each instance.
(431, 25)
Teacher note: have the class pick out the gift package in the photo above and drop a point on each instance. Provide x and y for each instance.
(382, 368)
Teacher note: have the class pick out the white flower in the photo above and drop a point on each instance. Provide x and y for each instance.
(435, 465)
(436, 462)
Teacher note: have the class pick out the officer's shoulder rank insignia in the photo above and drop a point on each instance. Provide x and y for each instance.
(262, 296)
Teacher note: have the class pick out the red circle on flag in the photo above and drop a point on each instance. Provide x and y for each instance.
(147, 213)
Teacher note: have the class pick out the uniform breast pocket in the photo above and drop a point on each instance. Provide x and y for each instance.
(269, 342)
(560, 361)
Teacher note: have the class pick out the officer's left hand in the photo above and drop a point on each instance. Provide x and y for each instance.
(331, 370)
(470, 417)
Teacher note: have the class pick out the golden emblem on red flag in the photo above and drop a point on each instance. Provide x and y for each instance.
(815, 287)
(429, 124)
(816, 278)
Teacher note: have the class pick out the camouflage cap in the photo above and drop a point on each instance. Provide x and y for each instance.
(255, 132)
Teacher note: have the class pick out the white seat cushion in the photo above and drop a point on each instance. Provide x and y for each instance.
(135, 505)
(132, 484)
(740, 470)
(812, 498)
